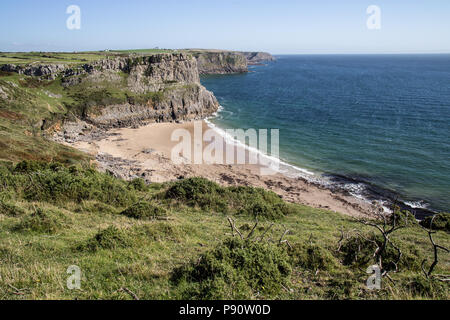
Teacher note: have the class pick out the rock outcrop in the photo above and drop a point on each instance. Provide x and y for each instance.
(48, 70)
(257, 57)
(220, 62)
(227, 62)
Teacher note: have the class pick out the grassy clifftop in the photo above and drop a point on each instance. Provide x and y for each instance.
(175, 241)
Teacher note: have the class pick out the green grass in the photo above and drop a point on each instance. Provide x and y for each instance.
(51, 57)
(75, 219)
(70, 58)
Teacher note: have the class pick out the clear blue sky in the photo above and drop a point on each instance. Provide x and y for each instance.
(283, 26)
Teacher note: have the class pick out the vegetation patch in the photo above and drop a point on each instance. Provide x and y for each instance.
(419, 286)
(38, 181)
(235, 269)
(10, 209)
(109, 238)
(312, 257)
(145, 211)
(440, 222)
(208, 195)
(160, 231)
(41, 221)
(359, 252)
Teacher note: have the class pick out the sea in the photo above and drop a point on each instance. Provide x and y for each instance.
(377, 126)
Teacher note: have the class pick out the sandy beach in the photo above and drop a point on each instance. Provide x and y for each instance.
(146, 152)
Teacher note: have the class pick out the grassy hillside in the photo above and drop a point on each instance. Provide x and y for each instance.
(173, 241)
(24, 104)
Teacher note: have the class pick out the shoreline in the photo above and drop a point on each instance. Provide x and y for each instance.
(144, 152)
(360, 189)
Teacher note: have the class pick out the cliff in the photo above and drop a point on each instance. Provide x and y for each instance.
(220, 62)
(226, 62)
(257, 57)
(125, 91)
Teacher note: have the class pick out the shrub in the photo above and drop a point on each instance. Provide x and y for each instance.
(10, 209)
(312, 257)
(339, 289)
(258, 202)
(419, 286)
(404, 217)
(34, 166)
(255, 202)
(235, 269)
(198, 192)
(52, 182)
(359, 252)
(41, 221)
(110, 238)
(144, 210)
(138, 184)
(440, 222)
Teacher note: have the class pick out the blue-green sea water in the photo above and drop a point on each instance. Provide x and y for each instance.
(375, 122)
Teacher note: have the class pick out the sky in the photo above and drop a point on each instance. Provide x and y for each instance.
(279, 27)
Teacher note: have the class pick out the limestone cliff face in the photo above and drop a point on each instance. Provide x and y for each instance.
(220, 62)
(128, 91)
(226, 62)
(49, 71)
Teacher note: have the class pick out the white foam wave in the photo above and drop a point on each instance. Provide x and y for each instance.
(417, 204)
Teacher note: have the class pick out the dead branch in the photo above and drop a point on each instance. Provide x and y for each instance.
(233, 228)
(131, 293)
(436, 248)
(261, 238)
(253, 230)
(281, 241)
(386, 228)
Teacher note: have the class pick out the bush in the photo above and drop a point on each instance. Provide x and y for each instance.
(198, 192)
(312, 257)
(419, 286)
(138, 184)
(10, 209)
(144, 210)
(440, 222)
(340, 289)
(255, 202)
(41, 221)
(235, 269)
(110, 238)
(34, 166)
(52, 182)
(359, 252)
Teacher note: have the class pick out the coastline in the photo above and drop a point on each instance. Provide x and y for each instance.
(145, 152)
